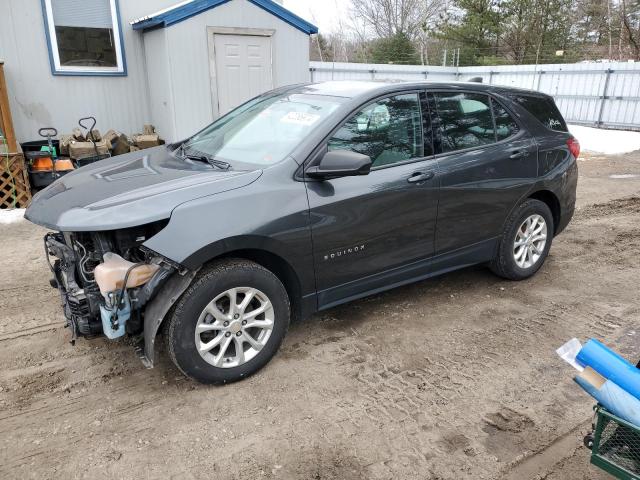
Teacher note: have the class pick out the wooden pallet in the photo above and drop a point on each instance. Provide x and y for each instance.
(15, 191)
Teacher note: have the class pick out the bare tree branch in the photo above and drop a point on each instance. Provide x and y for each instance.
(386, 18)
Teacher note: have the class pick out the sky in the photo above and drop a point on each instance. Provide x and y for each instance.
(322, 13)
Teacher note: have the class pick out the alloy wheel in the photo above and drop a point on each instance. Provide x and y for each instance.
(234, 327)
(530, 241)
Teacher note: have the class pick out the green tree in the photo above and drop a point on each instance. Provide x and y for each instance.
(533, 30)
(395, 49)
(631, 24)
(517, 36)
(320, 49)
(474, 25)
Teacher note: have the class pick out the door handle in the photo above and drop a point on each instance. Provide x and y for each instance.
(518, 154)
(420, 177)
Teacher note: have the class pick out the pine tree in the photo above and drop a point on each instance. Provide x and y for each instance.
(396, 49)
(475, 25)
(631, 23)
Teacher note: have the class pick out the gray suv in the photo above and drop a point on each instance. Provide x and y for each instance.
(301, 199)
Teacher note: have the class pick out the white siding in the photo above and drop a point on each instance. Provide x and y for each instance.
(188, 59)
(161, 102)
(167, 83)
(40, 99)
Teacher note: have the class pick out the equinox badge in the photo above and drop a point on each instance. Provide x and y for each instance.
(346, 251)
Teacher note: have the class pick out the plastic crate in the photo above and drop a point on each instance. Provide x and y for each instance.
(616, 446)
(36, 146)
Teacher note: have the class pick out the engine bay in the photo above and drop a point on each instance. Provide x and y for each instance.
(106, 278)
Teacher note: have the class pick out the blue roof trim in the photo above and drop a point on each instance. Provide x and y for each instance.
(177, 15)
(196, 7)
(285, 15)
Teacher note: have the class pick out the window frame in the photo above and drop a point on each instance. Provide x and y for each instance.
(54, 56)
(424, 114)
(433, 111)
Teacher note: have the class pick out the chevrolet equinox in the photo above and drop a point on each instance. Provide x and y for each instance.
(301, 199)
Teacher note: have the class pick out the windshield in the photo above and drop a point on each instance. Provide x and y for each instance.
(263, 131)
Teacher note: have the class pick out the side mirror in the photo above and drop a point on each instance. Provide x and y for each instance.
(340, 163)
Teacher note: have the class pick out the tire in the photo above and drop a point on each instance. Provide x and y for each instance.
(245, 281)
(507, 263)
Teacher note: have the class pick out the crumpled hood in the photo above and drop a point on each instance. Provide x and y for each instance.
(129, 190)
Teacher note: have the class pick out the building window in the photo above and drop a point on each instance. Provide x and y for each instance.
(84, 37)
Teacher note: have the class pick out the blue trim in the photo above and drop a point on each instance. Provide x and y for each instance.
(287, 16)
(177, 15)
(46, 32)
(196, 7)
(121, 35)
(96, 73)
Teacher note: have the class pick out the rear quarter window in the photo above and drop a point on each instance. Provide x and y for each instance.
(544, 109)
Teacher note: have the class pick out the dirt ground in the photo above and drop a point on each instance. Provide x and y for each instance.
(450, 378)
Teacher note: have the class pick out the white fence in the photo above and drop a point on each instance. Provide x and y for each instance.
(605, 95)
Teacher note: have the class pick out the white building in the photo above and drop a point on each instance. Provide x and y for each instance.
(178, 68)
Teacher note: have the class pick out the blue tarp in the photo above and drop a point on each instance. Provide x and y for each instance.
(611, 366)
(614, 399)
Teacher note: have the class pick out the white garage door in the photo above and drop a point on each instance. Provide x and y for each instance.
(243, 68)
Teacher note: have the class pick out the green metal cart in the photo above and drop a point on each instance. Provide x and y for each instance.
(615, 445)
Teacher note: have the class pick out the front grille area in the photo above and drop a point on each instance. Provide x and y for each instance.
(79, 306)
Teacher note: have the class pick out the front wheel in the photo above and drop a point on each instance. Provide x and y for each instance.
(229, 323)
(525, 241)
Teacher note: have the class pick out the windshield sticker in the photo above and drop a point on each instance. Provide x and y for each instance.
(300, 118)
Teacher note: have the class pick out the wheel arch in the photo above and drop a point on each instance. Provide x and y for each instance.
(551, 200)
(277, 265)
(268, 253)
(247, 249)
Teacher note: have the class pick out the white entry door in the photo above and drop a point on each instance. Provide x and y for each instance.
(242, 68)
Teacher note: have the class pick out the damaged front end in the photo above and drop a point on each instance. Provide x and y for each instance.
(107, 281)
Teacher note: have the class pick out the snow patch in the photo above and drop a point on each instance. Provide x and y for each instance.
(624, 175)
(609, 142)
(11, 216)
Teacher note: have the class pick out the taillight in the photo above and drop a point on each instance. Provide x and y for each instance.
(574, 146)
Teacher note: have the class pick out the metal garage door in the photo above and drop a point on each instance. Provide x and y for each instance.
(242, 68)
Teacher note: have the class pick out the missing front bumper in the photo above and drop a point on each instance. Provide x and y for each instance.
(81, 300)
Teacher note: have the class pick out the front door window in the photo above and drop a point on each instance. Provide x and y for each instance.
(388, 130)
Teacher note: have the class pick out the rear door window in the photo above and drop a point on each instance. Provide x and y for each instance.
(506, 126)
(544, 109)
(465, 120)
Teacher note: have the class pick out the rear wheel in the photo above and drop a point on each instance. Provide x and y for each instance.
(229, 323)
(525, 241)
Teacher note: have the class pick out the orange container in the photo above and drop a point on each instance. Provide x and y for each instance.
(42, 164)
(64, 165)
